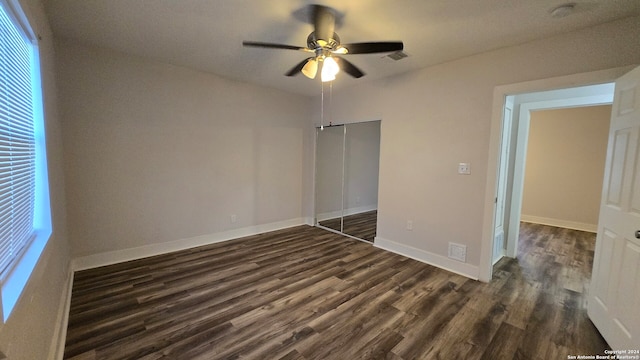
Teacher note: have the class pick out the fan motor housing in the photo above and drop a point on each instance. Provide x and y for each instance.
(314, 43)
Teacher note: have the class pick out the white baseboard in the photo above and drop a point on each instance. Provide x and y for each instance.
(443, 262)
(574, 225)
(118, 256)
(56, 351)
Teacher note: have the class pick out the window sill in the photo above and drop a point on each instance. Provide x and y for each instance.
(14, 283)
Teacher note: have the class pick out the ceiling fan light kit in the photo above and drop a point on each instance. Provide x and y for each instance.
(325, 44)
(310, 69)
(330, 69)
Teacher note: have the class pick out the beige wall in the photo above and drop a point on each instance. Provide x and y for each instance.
(157, 153)
(32, 328)
(434, 118)
(566, 153)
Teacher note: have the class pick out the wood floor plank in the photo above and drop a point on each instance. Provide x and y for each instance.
(304, 293)
(505, 343)
(338, 337)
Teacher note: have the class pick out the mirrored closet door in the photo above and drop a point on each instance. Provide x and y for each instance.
(347, 166)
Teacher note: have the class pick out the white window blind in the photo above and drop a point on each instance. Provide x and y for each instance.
(17, 143)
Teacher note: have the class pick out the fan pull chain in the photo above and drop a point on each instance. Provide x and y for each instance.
(322, 107)
(330, 103)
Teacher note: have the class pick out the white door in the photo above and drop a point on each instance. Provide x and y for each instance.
(614, 294)
(501, 191)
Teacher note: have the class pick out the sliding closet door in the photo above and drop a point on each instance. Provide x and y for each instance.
(361, 168)
(329, 176)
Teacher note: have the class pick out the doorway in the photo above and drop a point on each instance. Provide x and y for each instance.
(537, 94)
(514, 146)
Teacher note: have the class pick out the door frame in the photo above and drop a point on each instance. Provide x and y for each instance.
(524, 121)
(500, 94)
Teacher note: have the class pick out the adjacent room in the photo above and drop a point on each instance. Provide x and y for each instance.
(189, 179)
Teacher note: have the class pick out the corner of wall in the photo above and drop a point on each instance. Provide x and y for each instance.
(439, 261)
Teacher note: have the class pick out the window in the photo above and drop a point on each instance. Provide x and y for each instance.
(25, 218)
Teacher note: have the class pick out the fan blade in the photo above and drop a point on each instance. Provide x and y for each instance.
(324, 21)
(373, 47)
(296, 69)
(274, 46)
(348, 67)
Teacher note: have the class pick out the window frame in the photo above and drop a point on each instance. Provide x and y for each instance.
(14, 279)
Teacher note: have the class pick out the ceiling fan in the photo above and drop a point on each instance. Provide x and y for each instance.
(325, 44)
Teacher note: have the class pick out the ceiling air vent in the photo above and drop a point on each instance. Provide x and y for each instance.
(398, 55)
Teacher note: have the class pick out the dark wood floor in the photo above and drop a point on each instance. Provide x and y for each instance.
(362, 225)
(306, 293)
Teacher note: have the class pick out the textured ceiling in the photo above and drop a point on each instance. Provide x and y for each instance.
(207, 34)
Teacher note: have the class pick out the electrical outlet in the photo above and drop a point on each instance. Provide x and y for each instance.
(409, 225)
(234, 218)
(464, 168)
